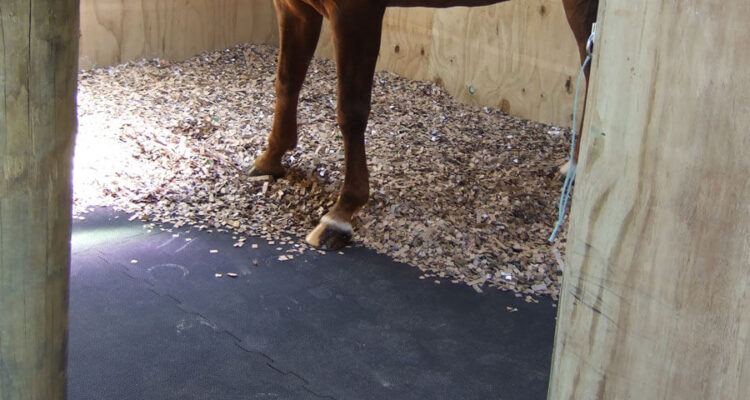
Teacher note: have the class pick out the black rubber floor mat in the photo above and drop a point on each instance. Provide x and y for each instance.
(150, 320)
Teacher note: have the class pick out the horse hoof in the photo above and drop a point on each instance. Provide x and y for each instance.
(563, 169)
(255, 171)
(330, 234)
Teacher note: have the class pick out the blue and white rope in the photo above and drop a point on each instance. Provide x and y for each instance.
(572, 168)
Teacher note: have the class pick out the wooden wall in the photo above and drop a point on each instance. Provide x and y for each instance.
(116, 31)
(519, 56)
(656, 297)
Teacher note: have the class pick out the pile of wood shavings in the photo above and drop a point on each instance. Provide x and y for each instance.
(460, 192)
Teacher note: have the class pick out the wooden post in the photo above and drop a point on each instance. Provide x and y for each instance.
(656, 297)
(38, 63)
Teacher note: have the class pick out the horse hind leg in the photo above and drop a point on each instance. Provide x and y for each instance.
(357, 37)
(299, 29)
(581, 14)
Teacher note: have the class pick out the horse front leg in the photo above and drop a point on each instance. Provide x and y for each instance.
(299, 29)
(357, 41)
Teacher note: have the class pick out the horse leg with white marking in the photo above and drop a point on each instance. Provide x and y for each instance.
(356, 33)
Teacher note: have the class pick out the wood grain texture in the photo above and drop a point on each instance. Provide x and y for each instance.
(406, 42)
(39, 48)
(655, 301)
(115, 31)
(519, 56)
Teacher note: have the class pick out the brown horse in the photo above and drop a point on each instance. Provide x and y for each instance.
(356, 26)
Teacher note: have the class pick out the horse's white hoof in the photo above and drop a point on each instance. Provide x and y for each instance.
(563, 169)
(330, 234)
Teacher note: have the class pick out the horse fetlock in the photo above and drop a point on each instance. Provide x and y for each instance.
(330, 234)
(353, 117)
(350, 201)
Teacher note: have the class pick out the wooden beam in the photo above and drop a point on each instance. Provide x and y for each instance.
(38, 63)
(655, 301)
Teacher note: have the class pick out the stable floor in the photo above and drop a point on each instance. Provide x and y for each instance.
(149, 319)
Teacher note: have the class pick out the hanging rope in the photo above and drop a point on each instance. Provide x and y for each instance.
(572, 168)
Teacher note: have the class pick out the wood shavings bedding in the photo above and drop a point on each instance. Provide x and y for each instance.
(463, 193)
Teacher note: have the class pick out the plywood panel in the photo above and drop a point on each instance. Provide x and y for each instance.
(519, 56)
(325, 43)
(405, 46)
(115, 31)
(655, 301)
(406, 43)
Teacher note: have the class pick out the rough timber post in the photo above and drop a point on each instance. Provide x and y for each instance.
(656, 296)
(38, 63)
